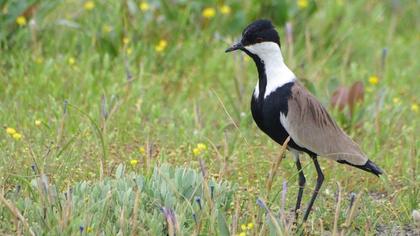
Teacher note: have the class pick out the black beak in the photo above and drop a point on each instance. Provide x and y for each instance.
(235, 47)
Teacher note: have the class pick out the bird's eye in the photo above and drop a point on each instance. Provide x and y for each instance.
(259, 40)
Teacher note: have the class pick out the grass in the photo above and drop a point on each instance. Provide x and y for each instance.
(95, 91)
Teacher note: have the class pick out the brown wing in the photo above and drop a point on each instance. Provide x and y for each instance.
(310, 126)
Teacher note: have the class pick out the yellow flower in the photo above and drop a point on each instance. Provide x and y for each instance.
(160, 47)
(163, 43)
(126, 40)
(10, 131)
(196, 151)
(144, 6)
(134, 162)
(17, 136)
(106, 29)
(38, 122)
(373, 80)
(21, 20)
(129, 51)
(208, 12)
(396, 100)
(201, 146)
(89, 230)
(415, 107)
(250, 226)
(199, 149)
(71, 61)
(142, 150)
(89, 5)
(39, 60)
(243, 227)
(225, 9)
(242, 234)
(302, 4)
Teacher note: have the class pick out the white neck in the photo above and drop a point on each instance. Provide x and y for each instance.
(276, 71)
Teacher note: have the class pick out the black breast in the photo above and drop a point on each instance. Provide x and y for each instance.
(266, 114)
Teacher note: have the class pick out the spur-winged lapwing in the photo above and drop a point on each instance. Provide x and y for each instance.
(282, 107)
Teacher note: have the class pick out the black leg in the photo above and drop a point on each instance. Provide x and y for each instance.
(302, 182)
(319, 181)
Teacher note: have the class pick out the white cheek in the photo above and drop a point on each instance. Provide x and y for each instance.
(263, 49)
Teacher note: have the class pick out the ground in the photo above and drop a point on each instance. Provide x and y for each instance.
(93, 91)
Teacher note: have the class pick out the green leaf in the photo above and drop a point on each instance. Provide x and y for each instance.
(221, 222)
(119, 173)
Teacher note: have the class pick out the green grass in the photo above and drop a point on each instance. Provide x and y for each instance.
(121, 97)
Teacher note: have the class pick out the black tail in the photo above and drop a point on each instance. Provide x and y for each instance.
(369, 167)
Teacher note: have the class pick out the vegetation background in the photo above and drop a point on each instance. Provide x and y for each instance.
(127, 117)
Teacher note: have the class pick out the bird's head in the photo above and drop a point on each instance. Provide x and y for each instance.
(258, 38)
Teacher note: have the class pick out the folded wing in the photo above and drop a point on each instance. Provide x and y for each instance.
(310, 126)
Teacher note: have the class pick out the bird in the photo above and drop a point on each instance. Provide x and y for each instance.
(282, 107)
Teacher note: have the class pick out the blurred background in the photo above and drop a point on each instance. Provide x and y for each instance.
(87, 86)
